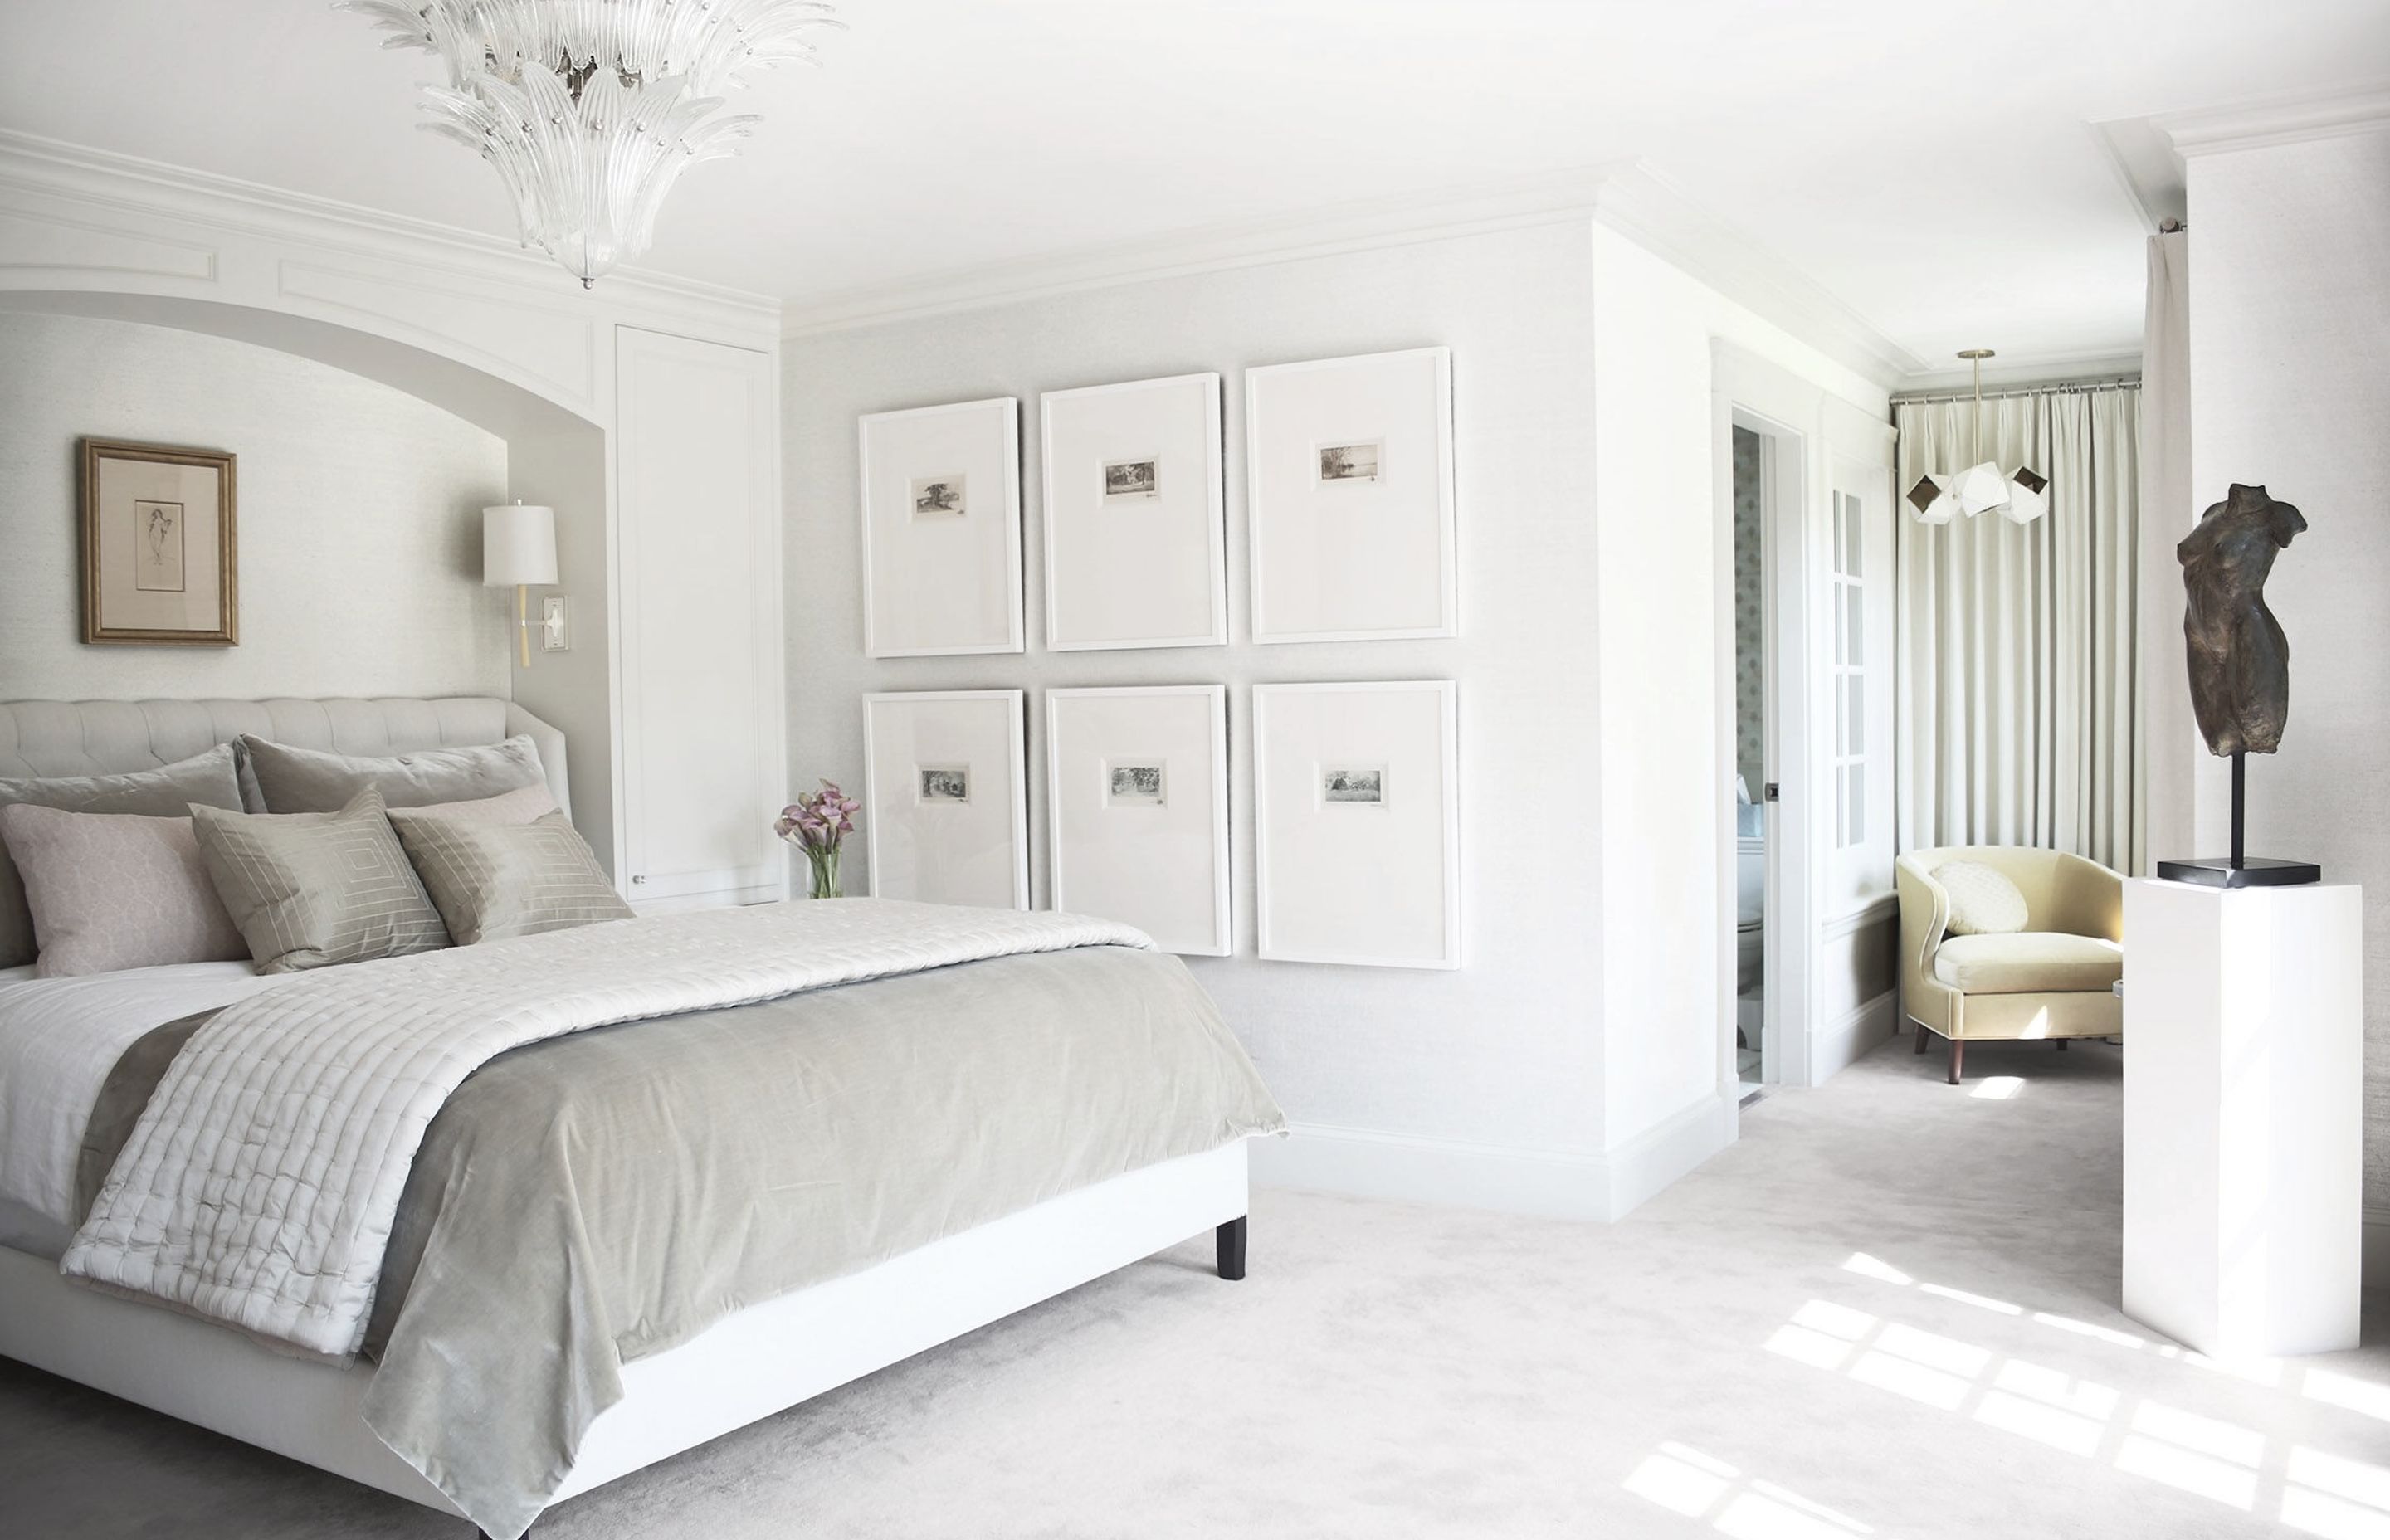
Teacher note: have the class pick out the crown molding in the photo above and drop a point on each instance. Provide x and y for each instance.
(2285, 119)
(1627, 195)
(41, 164)
(1355, 226)
(1648, 208)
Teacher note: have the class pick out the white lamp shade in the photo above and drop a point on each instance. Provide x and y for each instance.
(1931, 500)
(1980, 488)
(2025, 504)
(518, 545)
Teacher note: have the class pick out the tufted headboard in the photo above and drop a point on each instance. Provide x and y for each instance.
(100, 737)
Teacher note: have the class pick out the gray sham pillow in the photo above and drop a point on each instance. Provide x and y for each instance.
(168, 790)
(308, 780)
(116, 889)
(495, 880)
(310, 890)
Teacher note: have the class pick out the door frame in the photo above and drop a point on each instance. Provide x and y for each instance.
(1749, 392)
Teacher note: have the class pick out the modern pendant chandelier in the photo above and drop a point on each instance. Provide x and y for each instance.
(1980, 488)
(590, 110)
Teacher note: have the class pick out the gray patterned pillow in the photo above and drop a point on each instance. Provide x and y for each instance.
(169, 789)
(495, 880)
(116, 889)
(309, 890)
(308, 780)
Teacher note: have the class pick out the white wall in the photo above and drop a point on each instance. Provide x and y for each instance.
(1663, 761)
(2289, 312)
(1489, 1074)
(358, 518)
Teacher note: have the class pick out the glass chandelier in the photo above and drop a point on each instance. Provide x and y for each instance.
(590, 110)
(1980, 488)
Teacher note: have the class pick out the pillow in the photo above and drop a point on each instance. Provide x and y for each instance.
(309, 890)
(1983, 901)
(116, 889)
(495, 880)
(170, 788)
(308, 780)
(519, 806)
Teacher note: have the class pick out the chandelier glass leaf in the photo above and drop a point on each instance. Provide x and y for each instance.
(590, 110)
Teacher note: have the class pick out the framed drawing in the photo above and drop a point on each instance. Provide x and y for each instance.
(158, 561)
(1349, 480)
(947, 796)
(942, 529)
(1137, 545)
(1137, 797)
(1356, 817)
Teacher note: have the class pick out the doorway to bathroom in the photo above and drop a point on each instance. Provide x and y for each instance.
(1753, 454)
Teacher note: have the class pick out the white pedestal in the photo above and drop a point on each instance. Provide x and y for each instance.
(2245, 1115)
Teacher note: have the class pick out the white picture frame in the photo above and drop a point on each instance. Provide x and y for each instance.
(941, 501)
(946, 804)
(1349, 486)
(1356, 823)
(1136, 515)
(1137, 811)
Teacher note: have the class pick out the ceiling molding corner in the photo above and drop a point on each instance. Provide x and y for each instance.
(1648, 208)
(2284, 119)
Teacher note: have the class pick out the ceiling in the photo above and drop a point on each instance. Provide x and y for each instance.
(1931, 166)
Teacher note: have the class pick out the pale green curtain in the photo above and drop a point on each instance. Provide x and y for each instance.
(2016, 701)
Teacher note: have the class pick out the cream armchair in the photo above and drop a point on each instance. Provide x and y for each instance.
(2052, 979)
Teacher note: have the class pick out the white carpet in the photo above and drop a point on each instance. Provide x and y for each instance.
(1890, 1311)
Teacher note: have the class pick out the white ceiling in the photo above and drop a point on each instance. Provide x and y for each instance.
(1930, 165)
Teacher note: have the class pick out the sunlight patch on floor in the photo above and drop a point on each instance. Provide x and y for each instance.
(1685, 1480)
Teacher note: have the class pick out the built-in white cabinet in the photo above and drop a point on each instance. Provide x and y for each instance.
(698, 707)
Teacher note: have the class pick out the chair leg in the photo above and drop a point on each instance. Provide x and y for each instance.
(1958, 1058)
(2061, 1045)
(1921, 1037)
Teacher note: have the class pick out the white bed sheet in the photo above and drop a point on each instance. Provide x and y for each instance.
(58, 1040)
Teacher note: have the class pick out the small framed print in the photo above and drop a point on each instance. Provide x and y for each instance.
(1350, 490)
(1356, 817)
(947, 796)
(158, 553)
(942, 530)
(1136, 796)
(1137, 551)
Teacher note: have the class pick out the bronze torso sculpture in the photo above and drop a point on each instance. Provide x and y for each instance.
(2240, 659)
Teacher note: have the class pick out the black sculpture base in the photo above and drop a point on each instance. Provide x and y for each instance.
(2256, 871)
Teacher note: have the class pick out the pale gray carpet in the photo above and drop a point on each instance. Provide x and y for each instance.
(1740, 1358)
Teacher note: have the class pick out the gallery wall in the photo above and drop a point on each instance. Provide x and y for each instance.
(358, 518)
(1484, 1079)
(2289, 303)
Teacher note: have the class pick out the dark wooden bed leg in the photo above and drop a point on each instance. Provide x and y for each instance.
(1228, 1245)
(1958, 1058)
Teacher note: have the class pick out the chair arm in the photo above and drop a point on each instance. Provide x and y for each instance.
(1924, 915)
(2091, 900)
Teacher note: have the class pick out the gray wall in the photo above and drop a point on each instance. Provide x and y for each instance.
(358, 518)
(2290, 306)
(1504, 1052)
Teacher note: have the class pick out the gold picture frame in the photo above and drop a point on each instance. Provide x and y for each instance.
(159, 562)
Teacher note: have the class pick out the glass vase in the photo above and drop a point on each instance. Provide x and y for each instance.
(822, 872)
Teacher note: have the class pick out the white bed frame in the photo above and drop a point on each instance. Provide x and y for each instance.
(763, 1360)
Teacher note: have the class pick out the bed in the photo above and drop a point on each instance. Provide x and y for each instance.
(776, 1150)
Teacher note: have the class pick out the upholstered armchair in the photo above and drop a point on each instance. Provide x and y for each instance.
(2054, 979)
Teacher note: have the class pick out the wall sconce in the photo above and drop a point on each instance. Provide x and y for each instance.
(517, 550)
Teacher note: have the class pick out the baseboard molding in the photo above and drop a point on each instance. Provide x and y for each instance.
(1357, 1162)
(1842, 1043)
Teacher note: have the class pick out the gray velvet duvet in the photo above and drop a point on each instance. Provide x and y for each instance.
(582, 1202)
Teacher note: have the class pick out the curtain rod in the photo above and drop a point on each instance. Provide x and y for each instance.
(2062, 386)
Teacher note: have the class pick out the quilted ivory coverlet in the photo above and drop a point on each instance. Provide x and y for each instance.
(260, 1186)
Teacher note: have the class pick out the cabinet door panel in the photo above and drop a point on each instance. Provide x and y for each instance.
(700, 585)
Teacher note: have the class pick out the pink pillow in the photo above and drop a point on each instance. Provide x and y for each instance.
(116, 889)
